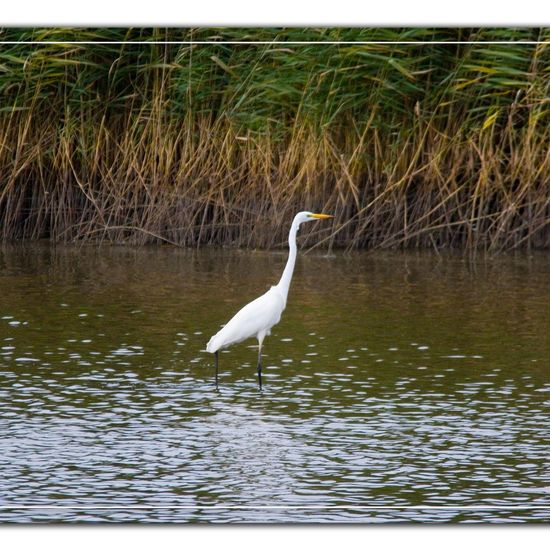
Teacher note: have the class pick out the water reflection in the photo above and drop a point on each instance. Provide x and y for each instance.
(393, 380)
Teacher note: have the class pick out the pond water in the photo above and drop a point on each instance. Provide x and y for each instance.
(397, 387)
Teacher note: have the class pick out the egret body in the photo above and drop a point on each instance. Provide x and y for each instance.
(258, 317)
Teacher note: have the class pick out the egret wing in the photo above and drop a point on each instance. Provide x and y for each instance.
(257, 316)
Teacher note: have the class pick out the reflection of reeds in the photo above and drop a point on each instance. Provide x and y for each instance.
(409, 145)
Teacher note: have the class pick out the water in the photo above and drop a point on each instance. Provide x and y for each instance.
(398, 387)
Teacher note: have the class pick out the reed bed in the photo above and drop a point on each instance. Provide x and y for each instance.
(409, 145)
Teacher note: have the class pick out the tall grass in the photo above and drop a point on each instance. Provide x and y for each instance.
(422, 145)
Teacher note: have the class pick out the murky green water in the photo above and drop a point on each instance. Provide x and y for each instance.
(398, 387)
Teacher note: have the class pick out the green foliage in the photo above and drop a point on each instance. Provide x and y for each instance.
(102, 114)
(267, 87)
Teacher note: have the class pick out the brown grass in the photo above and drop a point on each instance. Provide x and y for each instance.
(137, 173)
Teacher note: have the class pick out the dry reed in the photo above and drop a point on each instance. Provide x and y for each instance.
(408, 145)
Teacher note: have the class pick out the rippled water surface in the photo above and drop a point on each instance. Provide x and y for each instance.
(398, 387)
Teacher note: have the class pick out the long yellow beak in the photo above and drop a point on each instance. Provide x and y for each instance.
(321, 216)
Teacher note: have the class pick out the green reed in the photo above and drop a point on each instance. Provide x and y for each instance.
(409, 145)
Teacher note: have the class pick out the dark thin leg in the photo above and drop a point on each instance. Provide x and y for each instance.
(260, 367)
(216, 361)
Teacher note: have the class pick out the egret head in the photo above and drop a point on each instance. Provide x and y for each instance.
(310, 217)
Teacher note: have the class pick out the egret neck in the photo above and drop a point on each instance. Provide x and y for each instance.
(286, 277)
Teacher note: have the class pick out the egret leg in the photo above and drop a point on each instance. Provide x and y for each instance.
(216, 361)
(260, 366)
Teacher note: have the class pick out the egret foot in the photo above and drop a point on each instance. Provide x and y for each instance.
(260, 366)
(260, 375)
(216, 361)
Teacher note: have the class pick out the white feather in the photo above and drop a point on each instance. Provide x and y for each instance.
(254, 319)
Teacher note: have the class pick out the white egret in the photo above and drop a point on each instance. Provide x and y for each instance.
(259, 316)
